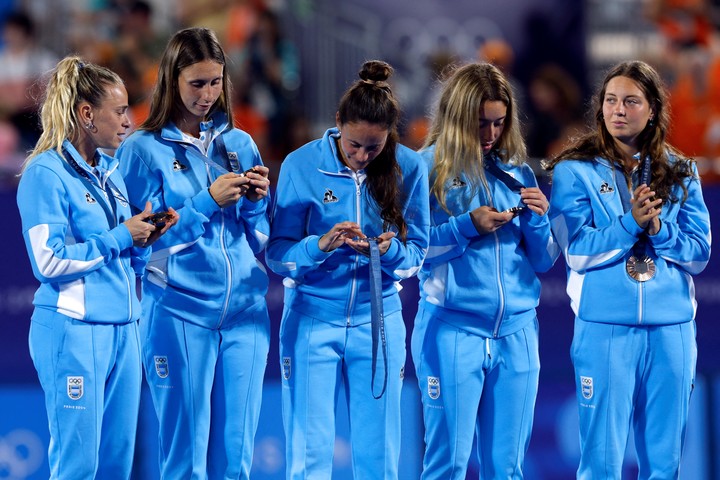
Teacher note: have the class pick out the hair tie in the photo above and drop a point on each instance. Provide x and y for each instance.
(81, 65)
(377, 83)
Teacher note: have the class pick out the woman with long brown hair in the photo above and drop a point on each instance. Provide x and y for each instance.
(628, 212)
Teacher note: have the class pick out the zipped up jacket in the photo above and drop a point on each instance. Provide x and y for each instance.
(597, 237)
(206, 263)
(316, 191)
(79, 249)
(486, 284)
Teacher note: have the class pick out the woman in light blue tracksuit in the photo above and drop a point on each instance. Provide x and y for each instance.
(353, 183)
(84, 247)
(205, 325)
(627, 210)
(475, 341)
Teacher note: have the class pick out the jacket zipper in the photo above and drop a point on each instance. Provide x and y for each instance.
(353, 284)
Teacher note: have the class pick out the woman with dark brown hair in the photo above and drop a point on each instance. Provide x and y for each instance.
(350, 221)
(627, 210)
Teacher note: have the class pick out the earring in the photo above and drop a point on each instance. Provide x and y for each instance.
(90, 126)
(651, 122)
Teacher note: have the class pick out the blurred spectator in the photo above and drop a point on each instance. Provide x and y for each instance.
(22, 63)
(555, 109)
(138, 47)
(438, 63)
(692, 64)
(686, 23)
(268, 79)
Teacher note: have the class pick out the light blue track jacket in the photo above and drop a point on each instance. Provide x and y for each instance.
(485, 284)
(597, 237)
(206, 262)
(79, 249)
(316, 191)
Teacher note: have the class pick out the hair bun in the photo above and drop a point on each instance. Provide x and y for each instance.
(376, 72)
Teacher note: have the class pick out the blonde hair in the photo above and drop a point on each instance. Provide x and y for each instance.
(455, 129)
(71, 82)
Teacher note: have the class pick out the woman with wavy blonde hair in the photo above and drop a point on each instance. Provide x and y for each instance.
(475, 340)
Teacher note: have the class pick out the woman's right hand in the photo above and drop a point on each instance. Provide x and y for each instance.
(487, 219)
(227, 189)
(337, 234)
(139, 228)
(645, 210)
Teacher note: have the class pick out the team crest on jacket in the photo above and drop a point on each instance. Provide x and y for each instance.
(161, 366)
(286, 363)
(606, 188)
(433, 387)
(586, 386)
(89, 198)
(457, 183)
(177, 166)
(75, 387)
(234, 164)
(329, 196)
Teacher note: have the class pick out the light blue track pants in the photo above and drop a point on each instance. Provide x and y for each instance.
(475, 385)
(317, 358)
(633, 377)
(91, 376)
(206, 386)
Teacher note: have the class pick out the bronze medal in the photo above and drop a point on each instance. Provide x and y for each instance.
(640, 268)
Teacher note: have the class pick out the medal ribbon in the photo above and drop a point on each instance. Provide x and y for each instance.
(490, 162)
(621, 181)
(377, 319)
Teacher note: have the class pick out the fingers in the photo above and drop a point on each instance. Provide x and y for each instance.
(645, 208)
(487, 219)
(535, 199)
(259, 183)
(338, 235)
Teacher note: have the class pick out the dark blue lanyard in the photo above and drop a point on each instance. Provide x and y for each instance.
(490, 162)
(377, 318)
(624, 192)
(622, 184)
(110, 210)
(491, 166)
(232, 164)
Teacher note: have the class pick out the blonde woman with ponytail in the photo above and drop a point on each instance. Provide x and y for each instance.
(86, 250)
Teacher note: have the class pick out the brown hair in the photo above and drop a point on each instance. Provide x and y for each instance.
(651, 141)
(187, 47)
(371, 100)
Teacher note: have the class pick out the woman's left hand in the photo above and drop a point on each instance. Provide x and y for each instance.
(535, 200)
(259, 184)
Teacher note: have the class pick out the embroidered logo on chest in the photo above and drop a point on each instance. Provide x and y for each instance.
(606, 188)
(457, 183)
(177, 166)
(329, 196)
(89, 198)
